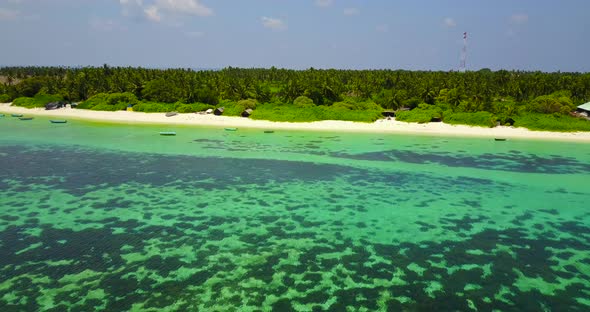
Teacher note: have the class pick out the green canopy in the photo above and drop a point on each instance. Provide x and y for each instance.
(585, 107)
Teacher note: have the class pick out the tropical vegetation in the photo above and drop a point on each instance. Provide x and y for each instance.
(536, 100)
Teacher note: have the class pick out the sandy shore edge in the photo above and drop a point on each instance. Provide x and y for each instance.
(380, 126)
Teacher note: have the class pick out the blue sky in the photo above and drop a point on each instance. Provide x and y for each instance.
(547, 35)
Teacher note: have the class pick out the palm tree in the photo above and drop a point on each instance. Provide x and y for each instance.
(455, 96)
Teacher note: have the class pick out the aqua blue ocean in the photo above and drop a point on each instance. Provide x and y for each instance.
(107, 217)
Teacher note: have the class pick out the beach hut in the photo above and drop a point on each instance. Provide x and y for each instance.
(129, 108)
(247, 112)
(219, 111)
(388, 113)
(584, 109)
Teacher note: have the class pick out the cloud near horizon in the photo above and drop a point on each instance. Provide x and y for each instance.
(324, 3)
(7, 14)
(190, 7)
(194, 34)
(382, 28)
(519, 19)
(273, 23)
(155, 10)
(152, 13)
(450, 22)
(131, 7)
(351, 11)
(104, 24)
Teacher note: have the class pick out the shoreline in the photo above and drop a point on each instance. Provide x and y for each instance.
(380, 126)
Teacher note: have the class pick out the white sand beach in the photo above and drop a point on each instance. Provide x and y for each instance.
(380, 126)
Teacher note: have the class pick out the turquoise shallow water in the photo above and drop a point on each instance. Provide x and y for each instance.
(117, 218)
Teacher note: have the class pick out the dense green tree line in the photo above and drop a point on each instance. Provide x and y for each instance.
(500, 93)
(390, 89)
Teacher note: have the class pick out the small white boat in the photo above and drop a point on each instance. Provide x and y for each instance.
(168, 133)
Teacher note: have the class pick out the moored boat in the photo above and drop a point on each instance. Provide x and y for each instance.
(1, 115)
(168, 133)
(499, 139)
(269, 131)
(26, 118)
(59, 121)
(231, 129)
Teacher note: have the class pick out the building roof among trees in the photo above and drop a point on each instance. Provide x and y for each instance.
(585, 107)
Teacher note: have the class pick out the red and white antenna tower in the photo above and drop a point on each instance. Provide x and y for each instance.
(463, 65)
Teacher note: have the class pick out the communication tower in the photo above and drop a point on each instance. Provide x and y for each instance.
(463, 65)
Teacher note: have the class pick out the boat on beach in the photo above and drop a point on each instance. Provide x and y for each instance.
(168, 133)
(26, 118)
(59, 121)
(16, 115)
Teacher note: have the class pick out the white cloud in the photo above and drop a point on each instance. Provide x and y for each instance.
(190, 7)
(324, 3)
(131, 2)
(131, 7)
(156, 10)
(519, 19)
(13, 15)
(449, 22)
(152, 13)
(382, 28)
(273, 23)
(8, 15)
(351, 11)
